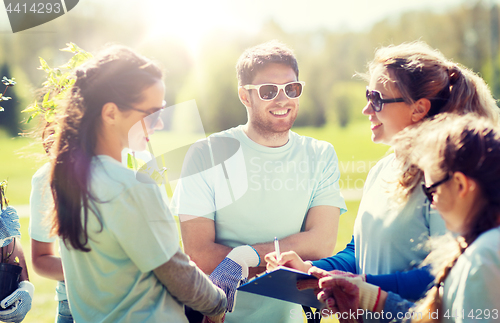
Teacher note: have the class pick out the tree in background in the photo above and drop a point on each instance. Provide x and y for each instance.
(468, 33)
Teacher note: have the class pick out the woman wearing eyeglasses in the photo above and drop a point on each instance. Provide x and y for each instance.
(460, 157)
(120, 250)
(408, 83)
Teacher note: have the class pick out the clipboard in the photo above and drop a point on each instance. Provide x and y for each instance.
(281, 283)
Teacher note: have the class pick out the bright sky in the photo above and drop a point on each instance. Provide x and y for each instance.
(191, 19)
(292, 15)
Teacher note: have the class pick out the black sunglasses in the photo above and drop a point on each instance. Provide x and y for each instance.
(375, 99)
(152, 117)
(431, 190)
(268, 91)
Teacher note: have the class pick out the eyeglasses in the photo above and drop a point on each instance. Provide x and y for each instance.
(152, 117)
(375, 99)
(431, 190)
(268, 91)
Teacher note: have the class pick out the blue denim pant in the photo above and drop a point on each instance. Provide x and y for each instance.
(63, 313)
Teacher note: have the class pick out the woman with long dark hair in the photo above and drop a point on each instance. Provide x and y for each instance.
(120, 250)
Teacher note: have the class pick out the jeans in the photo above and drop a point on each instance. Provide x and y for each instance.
(63, 313)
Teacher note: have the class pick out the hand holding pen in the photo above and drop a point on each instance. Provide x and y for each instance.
(288, 259)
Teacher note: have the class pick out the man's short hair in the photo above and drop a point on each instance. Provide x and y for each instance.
(255, 59)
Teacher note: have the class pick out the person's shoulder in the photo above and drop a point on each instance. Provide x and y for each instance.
(41, 176)
(384, 162)
(486, 245)
(234, 132)
(483, 253)
(320, 146)
(383, 166)
(110, 177)
(42, 172)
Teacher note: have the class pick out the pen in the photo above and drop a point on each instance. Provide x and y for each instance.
(277, 249)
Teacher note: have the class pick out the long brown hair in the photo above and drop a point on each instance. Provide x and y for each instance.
(118, 75)
(419, 71)
(449, 144)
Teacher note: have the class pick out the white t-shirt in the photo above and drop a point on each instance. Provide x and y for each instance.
(258, 194)
(114, 282)
(41, 203)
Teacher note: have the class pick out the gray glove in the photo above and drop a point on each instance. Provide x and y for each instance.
(9, 226)
(20, 300)
(233, 271)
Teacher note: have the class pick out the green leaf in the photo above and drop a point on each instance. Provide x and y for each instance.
(33, 116)
(71, 47)
(130, 164)
(44, 66)
(50, 115)
(8, 82)
(30, 109)
(45, 99)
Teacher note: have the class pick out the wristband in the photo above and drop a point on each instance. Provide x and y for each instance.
(257, 255)
(378, 300)
(369, 295)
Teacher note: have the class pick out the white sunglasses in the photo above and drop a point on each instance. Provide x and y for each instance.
(269, 91)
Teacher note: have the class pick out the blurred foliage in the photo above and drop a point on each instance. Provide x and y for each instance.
(57, 84)
(468, 34)
(8, 117)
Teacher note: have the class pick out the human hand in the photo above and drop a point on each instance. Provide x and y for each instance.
(233, 271)
(335, 291)
(19, 302)
(288, 259)
(347, 274)
(214, 319)
(369, 294)
(319, 273)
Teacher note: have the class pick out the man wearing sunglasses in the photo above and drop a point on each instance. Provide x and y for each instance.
(293, 192)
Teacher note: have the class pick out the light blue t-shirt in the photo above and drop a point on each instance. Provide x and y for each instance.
(255, 193)
(389, 237)
(471, 292)
(115, 282)
(472, 289)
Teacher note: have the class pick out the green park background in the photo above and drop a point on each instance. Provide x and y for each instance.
(330, 108)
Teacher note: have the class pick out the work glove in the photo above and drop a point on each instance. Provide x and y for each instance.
(214, 319)
(369, 295)
(9, 226)
(18, 303)
(233, 271)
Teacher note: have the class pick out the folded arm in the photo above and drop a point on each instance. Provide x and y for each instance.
(188, 284)
(315, 242)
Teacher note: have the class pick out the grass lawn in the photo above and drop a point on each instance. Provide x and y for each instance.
(21, 158)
